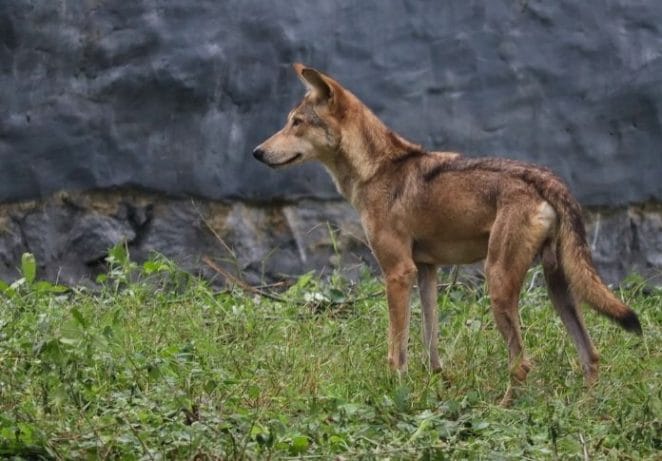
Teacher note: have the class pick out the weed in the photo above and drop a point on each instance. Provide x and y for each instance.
(158, 365)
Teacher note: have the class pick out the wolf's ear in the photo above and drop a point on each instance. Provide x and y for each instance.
(316, 82)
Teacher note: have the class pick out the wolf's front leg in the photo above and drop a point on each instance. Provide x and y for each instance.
(393, 251)
(427, 285)
(399, 281)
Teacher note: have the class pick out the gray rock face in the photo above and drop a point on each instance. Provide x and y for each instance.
(627, 241)
(69, 235)
(171, 96)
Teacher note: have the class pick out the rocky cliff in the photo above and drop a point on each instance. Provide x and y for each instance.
(170, 96)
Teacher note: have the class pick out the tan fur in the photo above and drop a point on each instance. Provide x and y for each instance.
(424, 209)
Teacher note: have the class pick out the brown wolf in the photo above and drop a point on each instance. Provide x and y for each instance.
(423, 209)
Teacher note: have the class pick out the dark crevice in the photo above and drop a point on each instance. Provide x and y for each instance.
(140, 220)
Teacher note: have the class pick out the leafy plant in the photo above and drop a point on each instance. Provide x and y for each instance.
(158, 364)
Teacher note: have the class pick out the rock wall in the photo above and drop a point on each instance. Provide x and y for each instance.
(70, 233)
(168, 97)
(172, 95)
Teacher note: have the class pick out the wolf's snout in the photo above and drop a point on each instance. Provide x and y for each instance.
(258, 153)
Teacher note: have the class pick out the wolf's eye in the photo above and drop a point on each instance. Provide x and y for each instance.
(296, 121)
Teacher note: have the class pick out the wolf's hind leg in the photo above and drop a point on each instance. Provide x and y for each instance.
(564, 303)
(517, 235)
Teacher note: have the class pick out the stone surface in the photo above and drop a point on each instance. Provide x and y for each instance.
(147, 103)
(171, 96)
(69, 235)
(627, 241)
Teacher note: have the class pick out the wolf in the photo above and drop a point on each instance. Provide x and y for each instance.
(422, 209)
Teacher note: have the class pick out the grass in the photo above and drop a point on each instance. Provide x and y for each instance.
(160, 366)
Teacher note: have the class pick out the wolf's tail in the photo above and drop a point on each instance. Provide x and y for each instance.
(577, 263)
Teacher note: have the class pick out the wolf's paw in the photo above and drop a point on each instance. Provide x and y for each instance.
(521, 369)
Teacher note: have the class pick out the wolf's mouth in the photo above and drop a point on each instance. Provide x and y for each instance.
(293, 159)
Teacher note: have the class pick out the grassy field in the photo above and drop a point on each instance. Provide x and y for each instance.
(160, 366)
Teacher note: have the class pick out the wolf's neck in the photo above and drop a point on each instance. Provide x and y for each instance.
(349, 178)
(363, 151)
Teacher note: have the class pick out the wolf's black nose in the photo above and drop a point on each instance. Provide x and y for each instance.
(258, 154)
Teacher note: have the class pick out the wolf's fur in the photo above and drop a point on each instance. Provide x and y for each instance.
(422, 209)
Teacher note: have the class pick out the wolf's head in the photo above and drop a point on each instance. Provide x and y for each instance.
(313, 127)
(331, 125)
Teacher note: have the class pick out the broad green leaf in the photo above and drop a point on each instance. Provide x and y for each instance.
(118, 254)
(44, 286)
(28, 267)
(300, 444)
(151, 267)
(304, 280)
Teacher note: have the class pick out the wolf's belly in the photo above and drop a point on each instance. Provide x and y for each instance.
(450, 252)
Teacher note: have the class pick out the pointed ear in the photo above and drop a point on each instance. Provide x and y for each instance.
(316, 82)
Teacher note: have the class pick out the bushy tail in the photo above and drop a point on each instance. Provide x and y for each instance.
(578, 267)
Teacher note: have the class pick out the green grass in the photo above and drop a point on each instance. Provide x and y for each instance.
(160, 366)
